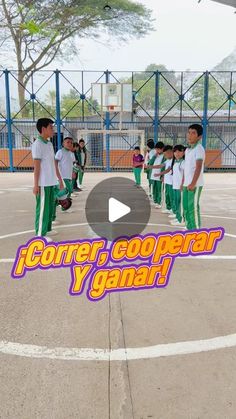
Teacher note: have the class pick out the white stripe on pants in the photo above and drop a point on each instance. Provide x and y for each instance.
(42, 200)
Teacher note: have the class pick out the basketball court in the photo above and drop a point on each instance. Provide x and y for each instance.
(64, 356)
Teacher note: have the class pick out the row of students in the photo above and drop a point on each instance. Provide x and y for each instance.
(180, 170)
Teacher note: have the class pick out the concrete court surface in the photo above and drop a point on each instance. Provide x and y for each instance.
(197, 305)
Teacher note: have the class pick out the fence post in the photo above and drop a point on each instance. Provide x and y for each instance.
(8, 119)
(205, 109)
(58, 109)
(107, 125)
(156, 110)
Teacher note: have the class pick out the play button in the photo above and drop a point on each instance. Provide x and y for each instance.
(117, 210)
(116, 207)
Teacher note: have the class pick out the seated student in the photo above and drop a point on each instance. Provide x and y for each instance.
(137, 165)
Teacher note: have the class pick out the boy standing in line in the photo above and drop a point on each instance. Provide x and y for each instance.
(81, 154)
(168, 179)
(64, 161)
(155, 164)
(193, 177)
(137, 165)
(46, 176)
(149, 154)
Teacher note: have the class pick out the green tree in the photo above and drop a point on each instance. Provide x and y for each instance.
(38, 31)
(144, 85)
(216, 96)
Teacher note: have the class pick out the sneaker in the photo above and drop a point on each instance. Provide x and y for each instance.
(48, 238)
(157, 206)
(79, 190)
(178, 223)
(76, 189)
(74, 195)
(54, 223)
(166, 211)
(172, 215)
(53, 233)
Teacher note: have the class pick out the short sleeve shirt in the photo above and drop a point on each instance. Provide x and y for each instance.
(157, 162)
(138, 160)
(65, 159)
(43, 150)
(168, 178)
(192, 155)
(178, 173)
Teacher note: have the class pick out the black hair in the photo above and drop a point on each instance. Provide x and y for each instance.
(43, 123)
(81, 140)
(160, 144)
(67, 138)
(137, 148)
(150, 143)
(177, 147)
(75, 144)
(168, 147)
(197, 128)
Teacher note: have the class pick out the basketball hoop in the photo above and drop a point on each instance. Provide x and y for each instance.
(111, 108)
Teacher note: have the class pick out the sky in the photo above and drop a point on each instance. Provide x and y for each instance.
(188, 35)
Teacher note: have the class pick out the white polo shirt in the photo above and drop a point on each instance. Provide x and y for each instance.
(178, 173)
(43, 150)
(157, 161)
(168, 178)
(193, 154)
(65, 158)
(149, 155)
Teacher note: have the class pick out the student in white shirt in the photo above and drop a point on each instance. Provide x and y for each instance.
(193, 177)
(178, 177)
(167, 173)
(46, 176)
(155, 165)
(148, 156)
(64, 161)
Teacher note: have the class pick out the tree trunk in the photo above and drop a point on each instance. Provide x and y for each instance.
(24, 111)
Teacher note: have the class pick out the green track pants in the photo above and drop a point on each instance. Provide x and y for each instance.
(137, 175)
(157, 191)
(178, 207)
(191, 206)
(44, 210)
(169, 196)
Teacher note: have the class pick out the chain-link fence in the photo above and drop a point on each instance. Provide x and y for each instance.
(163, 105)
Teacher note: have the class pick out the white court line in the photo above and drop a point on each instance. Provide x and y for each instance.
(220, 189)
(19, 233)
(217, 216)
(122, 354)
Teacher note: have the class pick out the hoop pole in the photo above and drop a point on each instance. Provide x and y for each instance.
(9, 121)
(107, 126)
(156, 117)
(58, 109)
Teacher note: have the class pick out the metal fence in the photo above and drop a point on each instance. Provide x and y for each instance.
(164, 104)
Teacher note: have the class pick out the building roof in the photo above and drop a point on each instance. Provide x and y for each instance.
(227, 2)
